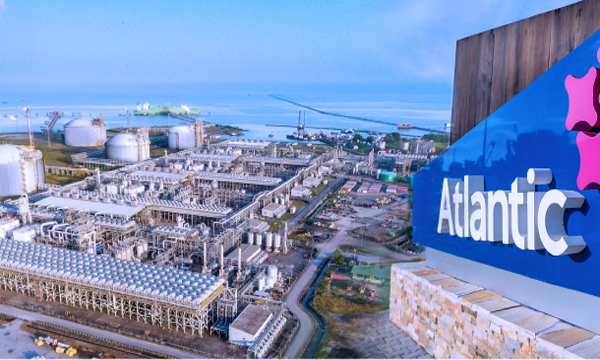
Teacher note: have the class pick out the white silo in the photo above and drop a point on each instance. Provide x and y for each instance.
(277, 242)
(269, 242)
(251, 238)
(122, 147)
(21, 170)
(85, 131)
(182, 137)
(258, 239)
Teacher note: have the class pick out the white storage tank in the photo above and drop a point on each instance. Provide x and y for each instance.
(251, 238)
(122, 147)
(85, 131)
(181, 137)
(21, 170)
(258, 240)
(277, 242)
(269, 243)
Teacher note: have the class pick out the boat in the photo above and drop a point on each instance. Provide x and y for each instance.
(236, 133)
(271, 134)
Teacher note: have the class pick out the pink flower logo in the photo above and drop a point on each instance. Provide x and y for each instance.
(584, 116)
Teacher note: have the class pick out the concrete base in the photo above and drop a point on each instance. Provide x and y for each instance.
(572, 306)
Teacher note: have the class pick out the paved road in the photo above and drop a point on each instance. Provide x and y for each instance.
(307, 323)
(305, 210)
(31, 316)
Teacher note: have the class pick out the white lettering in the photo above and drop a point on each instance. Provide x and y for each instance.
(529, 219)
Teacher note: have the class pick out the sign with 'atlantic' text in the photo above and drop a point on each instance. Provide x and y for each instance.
(521, 191)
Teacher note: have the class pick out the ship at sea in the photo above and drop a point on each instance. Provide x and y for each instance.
(147, 110)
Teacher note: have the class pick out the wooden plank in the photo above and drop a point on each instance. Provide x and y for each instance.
(483, 85)
(585, 20)
(500, 69)
(538, 45)
(474, 55)
(561, 42)
(461, 90)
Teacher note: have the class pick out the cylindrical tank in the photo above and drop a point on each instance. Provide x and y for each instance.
(388, 176)
(85, 131)
(261, 284)
(251, 238)
(181, 137)
(122, 147)
(272, 272)
(269, 242)
(21, 170)
(277, 242)
(378, 173)
(276, 200)
(258, 240)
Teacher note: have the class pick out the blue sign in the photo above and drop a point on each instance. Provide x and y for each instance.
(529, 146)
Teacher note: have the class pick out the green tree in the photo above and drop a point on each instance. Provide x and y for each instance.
(357, 138)
(369, 139)
(338, 257)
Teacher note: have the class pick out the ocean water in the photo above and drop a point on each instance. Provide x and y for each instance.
(245, 106)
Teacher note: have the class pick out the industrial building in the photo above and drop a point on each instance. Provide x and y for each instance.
(274, 210)
(311, 182)
(248, 325)
(84, 131)
(165, 297)
(300, 191)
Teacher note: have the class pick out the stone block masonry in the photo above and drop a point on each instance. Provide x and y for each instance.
(453, 319)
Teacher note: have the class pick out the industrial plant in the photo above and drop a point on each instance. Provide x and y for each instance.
(177, 241)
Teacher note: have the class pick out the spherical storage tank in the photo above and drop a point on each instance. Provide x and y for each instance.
(85, 131)
(122, 147)
(21, 170)
(181, 137)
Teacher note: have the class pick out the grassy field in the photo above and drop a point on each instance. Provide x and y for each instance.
(339, 307)
(54, 179)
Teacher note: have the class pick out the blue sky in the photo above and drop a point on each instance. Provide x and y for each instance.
(408, 44)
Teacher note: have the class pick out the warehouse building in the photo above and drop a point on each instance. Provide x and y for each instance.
(300, 191)
(274, 210)
(246, 328)
(311, 182)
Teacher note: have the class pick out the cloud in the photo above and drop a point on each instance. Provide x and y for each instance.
(2, 5)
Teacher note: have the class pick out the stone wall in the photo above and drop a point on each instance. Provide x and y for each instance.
(454, 319)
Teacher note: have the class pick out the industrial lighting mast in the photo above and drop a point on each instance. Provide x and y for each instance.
(29, 127)
(127, 111)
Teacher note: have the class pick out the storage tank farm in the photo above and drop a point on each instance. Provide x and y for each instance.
(85, 131)
(21, 170)
(182, 137)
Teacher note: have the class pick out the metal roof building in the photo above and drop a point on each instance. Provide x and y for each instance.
(249, 324)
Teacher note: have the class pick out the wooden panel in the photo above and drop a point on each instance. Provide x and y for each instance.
(459, 102)
(493, 66)
(483, 84)
(586, 20)
(500, 66)
(538, 45)
(561, 42)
